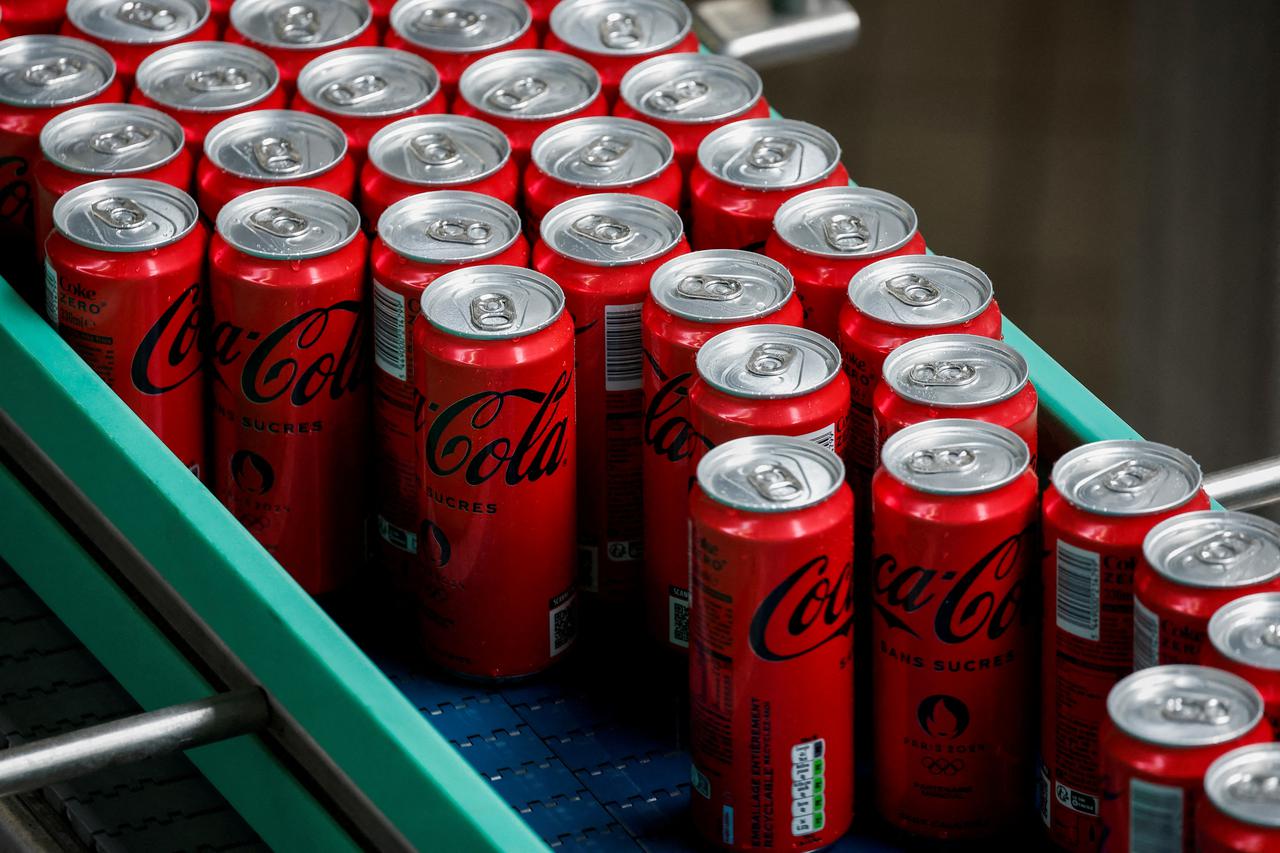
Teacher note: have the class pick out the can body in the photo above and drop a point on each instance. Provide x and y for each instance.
(25, 17)
(378, 190)
(892, 412)
(543, 192)
(820, 416)
(215, 187)
(1220, 833)
(728, 216)
(1171, 621)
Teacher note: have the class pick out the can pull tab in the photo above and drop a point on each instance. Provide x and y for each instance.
(54, 72)
(713, 288)
(621, 31)
(602, 229)
(147, 16)
(358, 90)
(771, 359)
(678, 95)
(493, 312)
(943, 460)
(125, 139)
(296, 24)
(604, 152)
(276, 155)
(771, 152)
(517, 94)
(775, 482)
(942, 374)
(1130, 476)
(912, 290)
(1224, 548)
(845, 232)
(471, 232)
(1185, 709)
(1271, 635)
(279, 222)
(223, 78)
(434, 149)
(120, 213)
(1256, 788)
(450, 19)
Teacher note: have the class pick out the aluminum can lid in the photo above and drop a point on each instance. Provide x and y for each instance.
(276, 145)
(1180, 705)
(125, 215)
(611, 229)
(288, 223)
(955, 456)
(1245, 784)
(529, 84)
(111, 139)
(602, 151)
(768, 362)
(621, 27)
(1122, 477)
(770, 473)
(368, 81)
(956, 371)
(845, 222)
(694, 88)
(138, 21)
(461, 26)
(207, 76)
(492, 302)
(449, 227)
(769, 153)
(921, 291)
(52, 71)
(300, 24)
(721, 286)
(1247, 630)
(438, 150)
(1214, 550)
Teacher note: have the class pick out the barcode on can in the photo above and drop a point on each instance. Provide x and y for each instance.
(1078, 578)
(825, 436)
(678, 616)
(1155, 817)
(622, 356)
(389, 345)
(564, 622)
(1146, 636)
(51, 293)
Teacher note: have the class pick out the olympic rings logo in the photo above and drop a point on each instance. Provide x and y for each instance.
(942, 766)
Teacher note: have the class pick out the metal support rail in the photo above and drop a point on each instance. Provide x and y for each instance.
(1250, 486)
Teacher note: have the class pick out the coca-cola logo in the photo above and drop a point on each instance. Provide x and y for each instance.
(812, 607)
(462, 436)
(943, 716)
(15, 192)
(985, 598)
(251, 472)
(169, 354)
(667, 430)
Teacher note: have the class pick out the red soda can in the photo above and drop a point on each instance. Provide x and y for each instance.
(364, 89)
(451, 37)
(1244, 638)
(28, 17)
(688, 95)
(1240, 811)
(293, 33)
(1103, 499)
(132, 31)
(496, 441)
(270, 148)
(603, 250)
(288, 351)
(747, 169)
(125, 288)
(771, 666)
(106, 141)
(599, 154)
(951, 376)
(381, 10)
(1192, 565)
(826, 236)
(1165, 727)
(419, 239)
(541, 10)
(617, 35)
(200, 83)
(524, 92)
(220, 13)
(691, 300)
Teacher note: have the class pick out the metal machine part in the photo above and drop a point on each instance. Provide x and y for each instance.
(775, 32)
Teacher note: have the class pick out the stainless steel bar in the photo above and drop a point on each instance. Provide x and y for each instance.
(1246, 486)
(56, 759)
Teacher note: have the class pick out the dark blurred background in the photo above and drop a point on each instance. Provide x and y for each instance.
(1115, 168)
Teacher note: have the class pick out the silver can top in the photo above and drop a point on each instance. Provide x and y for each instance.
(439, 150)
(300, 24)
(621, 27)
(449, 227)
(921, 291)
(609, 230)
(138, 21)
(1248, 630)
(125, 215)
(207, 76)
(955, 456)
(602, 151)
(1245, 784)
(1215, 550)
(529, 84)
(1180, 705)
(492, 302)
(770, 473)
(288, 223)
(458, 26)
(768, 362)
(368, 81)
(769, 153)
(1123, 477)
(111, 139)
(721, 286)
(52, 71)
(693, 88)
(956, 371)
(276, 145)
(845, 222)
